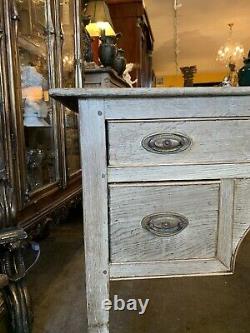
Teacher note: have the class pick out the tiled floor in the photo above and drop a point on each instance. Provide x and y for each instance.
(183, 305)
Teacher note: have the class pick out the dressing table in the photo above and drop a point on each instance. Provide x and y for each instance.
(166, 184)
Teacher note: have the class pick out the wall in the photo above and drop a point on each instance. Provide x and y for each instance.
(177, 80)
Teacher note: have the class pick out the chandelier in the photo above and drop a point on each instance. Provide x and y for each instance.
(231, 52)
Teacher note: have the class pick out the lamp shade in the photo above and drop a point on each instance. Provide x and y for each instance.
(100, 20)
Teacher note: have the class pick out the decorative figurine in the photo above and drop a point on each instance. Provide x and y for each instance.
(233, 75)
(244, 72)
(225, 82)
(127, 77)
(35, 108)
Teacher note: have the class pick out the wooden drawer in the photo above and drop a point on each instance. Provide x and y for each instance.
(163, 221)
(136, 143)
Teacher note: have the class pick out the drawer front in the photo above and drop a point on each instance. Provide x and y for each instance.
(134, 143)
(157, 222)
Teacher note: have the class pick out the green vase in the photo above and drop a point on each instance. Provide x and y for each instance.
(244, 72)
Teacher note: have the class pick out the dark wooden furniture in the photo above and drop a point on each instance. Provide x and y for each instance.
(40, 177)
(103, 78)
(40, 49)
(130, 18)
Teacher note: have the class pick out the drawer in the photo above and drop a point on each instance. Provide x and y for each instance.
(133, 143)
(163, 221)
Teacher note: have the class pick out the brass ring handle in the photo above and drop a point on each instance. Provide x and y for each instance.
(166, 143)
(165, 224)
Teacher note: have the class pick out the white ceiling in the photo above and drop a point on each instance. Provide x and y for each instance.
(202, 27)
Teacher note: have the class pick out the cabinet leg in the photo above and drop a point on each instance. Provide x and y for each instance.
(98, 317)
(19, 307)
(95, 215)
(97, 292)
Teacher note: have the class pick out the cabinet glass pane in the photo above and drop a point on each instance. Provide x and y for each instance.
(68, 81)
(37, 111)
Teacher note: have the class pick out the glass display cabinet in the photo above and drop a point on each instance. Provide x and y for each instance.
(42, 43)
(40, 176)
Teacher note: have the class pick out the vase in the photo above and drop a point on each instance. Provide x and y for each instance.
(120, 62)
(107, 50)
(244, 72)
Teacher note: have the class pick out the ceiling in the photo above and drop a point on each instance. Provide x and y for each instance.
(202, 29)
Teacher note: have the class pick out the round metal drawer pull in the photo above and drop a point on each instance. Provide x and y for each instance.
(165, 224)
(166, 143)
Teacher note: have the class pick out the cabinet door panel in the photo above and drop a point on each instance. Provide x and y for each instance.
(68, 81)
(38, 116)
(2, 160)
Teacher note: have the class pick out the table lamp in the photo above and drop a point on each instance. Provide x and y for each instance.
(100, 21)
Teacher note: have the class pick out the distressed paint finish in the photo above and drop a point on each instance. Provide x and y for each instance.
(225, 232)
(212, 142)
(208, 183)
(241, 210)
(95, 213)
(130, 204)
(178, 172)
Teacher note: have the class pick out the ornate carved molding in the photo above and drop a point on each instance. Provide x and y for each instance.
(8, 206)
(40, 229)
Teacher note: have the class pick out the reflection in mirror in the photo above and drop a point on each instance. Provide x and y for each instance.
(36, 108)
(201, 43)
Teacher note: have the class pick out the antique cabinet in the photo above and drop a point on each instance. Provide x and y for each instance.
(166, 184)
(130, 18)
(41, 48)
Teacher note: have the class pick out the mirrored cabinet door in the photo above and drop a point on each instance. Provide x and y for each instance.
(67, 9)
(38, 115)
(3, 139)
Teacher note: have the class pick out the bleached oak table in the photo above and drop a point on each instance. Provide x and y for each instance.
(166, 183)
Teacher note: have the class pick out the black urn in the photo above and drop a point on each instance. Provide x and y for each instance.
(107, 50)
(120, 62)
(244, 72)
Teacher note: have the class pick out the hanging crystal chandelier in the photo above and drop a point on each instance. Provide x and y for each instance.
(231, 52)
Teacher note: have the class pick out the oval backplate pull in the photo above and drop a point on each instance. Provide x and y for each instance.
(165, 224)
(166, 143)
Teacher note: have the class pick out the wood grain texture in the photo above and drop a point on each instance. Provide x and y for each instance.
(225, 234)
(163, 103)
(178, 172)
(158, 107)
(222, 141)
(130, 204)
(95, 217)
(159, 269)
(101, 329)
(147, 93)
(241, 211)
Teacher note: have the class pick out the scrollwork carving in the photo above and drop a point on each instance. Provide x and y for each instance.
(8, 207)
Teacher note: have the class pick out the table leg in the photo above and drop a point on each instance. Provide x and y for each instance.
(95, 213)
